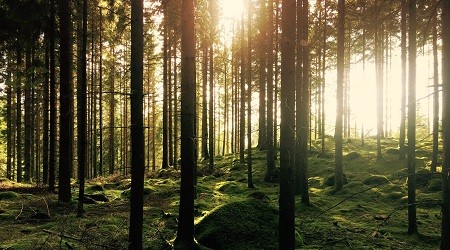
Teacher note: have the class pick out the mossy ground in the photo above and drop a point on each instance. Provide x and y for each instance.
(374, 219)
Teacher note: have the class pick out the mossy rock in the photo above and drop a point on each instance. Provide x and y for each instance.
(8, 195)
(94, 188)
(231, 188)
(248, 224)
(434, 185)
(329, 181)
(423, 176)
(376, 180)
(126, 193)
(392, 151)
(238, 167)
(400, 174)
(98, 197)
(259, 195)
(352, 156)
(124, 184)
(395, 195)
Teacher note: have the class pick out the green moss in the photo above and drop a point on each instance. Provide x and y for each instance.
(352, 156)
(94, 188)
(434, 185)
(231, 188)
(374, 180)
(249, 224)
(8, 195)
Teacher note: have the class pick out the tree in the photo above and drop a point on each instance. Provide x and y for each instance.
(262, 123)
(434, 157)
(249, 96)
(82, 109)
(445, 226)
(403, 98)
(137, 126)
(287, 127)
(339, 96)
(270, 172)
(53, 121)
(242, 97)
(66, 112)
(19, 114)
(185, 231)
(412, 220)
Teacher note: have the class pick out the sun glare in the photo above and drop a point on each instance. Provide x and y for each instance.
(231, 8)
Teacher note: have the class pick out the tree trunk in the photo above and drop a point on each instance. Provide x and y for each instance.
(412, 220)
(339, 95)
(403, 97)
(287, 128)
(165, 120)
(27, 116)
(242, 97)
(262, 123)
(112, 104)
(211, 106)
(100, 95)
(205, 152)
(445, 227)
(434, 157)
(185, 232)
(19, 115)
(379, 94)
(53, 121)
(9, 127)
(324, 69)
(270, 172)
(137, 126)
(66, 107)
(249, 96)
(82, 110)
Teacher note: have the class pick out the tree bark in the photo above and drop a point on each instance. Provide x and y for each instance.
(185, 232)
(287, 128)
(412, 219)
(445, 226)
(137, 126)
(66, 107)
(434, 157)
(339, 182)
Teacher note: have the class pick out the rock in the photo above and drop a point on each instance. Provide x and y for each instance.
(434, 185)
(248, 224)
(98, 197)
(375, 180)
(352, 156)
(330, 180)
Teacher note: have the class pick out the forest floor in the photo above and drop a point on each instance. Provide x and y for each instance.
(370, 212)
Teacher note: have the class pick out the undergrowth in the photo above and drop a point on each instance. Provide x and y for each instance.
(370, 212)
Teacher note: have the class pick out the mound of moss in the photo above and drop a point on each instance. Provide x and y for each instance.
(248, 224)
(8, 195)
(330, 180)
(434, 185)
(352, 156)
(376, 180)
(232, 187)
(423, 176)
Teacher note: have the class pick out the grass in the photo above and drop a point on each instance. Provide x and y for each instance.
(368, 213)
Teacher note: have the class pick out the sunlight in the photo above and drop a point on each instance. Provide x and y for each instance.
(231, 8)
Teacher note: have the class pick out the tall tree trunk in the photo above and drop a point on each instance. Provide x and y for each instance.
(137, 126)
(175, 106)
(339, 182)
(242, 97)
(82, 110)
(170, 100)
(112, 104)
(445, 227)
(287, 128)
(249, 96)
(211, 106)
(379, 94)
(434, 158)
(9, 127)
(66, 107)
(205, 152)
(324, 69)
(53, 121)
(412, 219)
(19, 115)
(165, 120)
(270, 172)
(185, 232)
(403, 97)
(27, 116)
(262, 123)
(100, 95)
